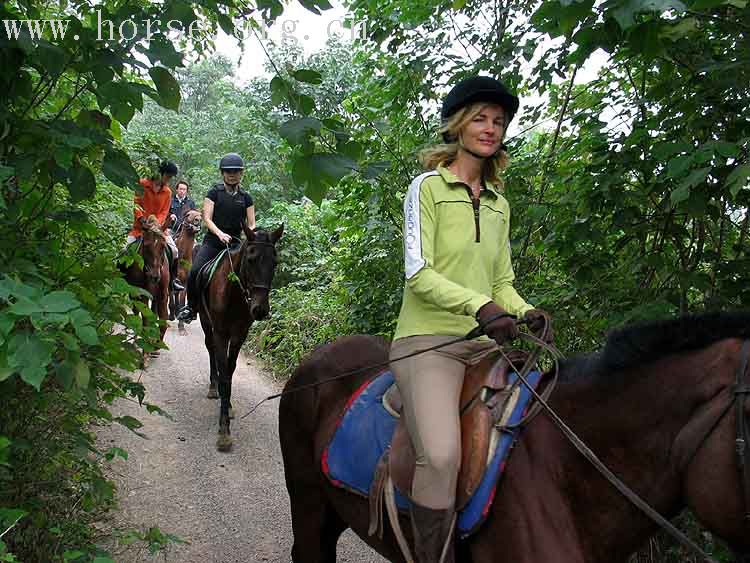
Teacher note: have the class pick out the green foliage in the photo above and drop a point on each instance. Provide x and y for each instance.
(68, 338)
(216, 117)
(302, 320)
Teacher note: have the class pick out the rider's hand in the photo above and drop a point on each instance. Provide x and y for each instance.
(225, 238)
(500, 329)
(173, 217)
(537, 320)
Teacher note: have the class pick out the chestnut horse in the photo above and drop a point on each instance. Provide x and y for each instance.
(229, 306)
(154, 275)
(657, 405)
(185, 241)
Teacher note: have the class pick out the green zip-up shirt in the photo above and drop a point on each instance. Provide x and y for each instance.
(449, 275)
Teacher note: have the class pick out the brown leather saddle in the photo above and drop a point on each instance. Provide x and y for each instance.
(486, 402)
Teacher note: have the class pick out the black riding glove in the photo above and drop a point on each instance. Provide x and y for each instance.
(497, 323)
(540, 324)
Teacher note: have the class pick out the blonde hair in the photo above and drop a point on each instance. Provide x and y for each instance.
(445, 153)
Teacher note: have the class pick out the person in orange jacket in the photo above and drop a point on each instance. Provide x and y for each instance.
(156, 200)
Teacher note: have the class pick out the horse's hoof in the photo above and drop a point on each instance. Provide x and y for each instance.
(212, 392)
(224, 443)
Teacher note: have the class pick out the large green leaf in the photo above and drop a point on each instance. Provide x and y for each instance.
(59, 302)
(315, 6)
(309, 76)
(30, 355)
(738, 179)
(118, 169)
(81, 373)
(82, 184)
(52, 57)
(626, 10)
(297, 130)
(317, 172)
(167, 86)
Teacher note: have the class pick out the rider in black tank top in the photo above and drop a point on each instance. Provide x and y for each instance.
(225, 209)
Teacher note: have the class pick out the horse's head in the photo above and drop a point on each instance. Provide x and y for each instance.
(192, 221)
(715, 448)
(154, 243)
(258, 266)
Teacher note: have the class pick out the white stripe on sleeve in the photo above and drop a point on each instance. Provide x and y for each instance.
(413, 259)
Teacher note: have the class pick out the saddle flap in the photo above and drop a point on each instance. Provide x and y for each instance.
(402, 459)
(486, 399)
(476, 430)
(207, 271)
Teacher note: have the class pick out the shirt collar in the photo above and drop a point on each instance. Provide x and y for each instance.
(451, 179)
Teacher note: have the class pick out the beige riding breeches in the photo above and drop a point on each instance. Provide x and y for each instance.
(430, 386)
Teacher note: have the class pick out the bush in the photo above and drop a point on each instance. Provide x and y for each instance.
(301, 321)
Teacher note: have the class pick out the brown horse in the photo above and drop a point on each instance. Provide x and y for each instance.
(657, 405)
(154, 275)
(185, 241)
(228, 308)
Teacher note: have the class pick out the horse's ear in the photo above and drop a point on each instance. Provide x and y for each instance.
(249, 233)
(276, 235)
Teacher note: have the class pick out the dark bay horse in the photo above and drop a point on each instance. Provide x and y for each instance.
(185, 242)
(657, 405)
(228, 308)
(154, 275)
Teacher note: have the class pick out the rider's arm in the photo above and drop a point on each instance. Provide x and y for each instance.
(419, 255)
(503, 292)
(251, 217)
(165, 201)
(208, 217)
(138, 212)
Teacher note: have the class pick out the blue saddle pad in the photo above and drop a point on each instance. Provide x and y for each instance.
(365, 430)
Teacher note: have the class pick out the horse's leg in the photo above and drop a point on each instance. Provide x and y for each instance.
(172, 305)
(209, 341)
(316, 527)
(162, 303)
(235, 345)
(146, 302)
(179, 304)
(220, 342)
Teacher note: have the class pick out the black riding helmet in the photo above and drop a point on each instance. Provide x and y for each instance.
(231, 161)
(478, 89)
(168, 167)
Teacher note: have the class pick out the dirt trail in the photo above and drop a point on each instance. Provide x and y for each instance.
(229, 507)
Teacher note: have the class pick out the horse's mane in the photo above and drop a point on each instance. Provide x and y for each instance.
(640, 343)
(151, 224)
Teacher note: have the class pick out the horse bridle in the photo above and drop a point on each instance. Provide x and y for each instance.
(741, 391)
(255, 285)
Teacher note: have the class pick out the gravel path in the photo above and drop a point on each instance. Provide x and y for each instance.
(228, 507)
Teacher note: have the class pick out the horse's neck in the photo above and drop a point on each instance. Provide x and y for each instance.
(630, 424)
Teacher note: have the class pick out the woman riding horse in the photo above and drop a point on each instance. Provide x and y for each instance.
(155, 201)
(226, 209)
(458, 271)
(664, 405)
